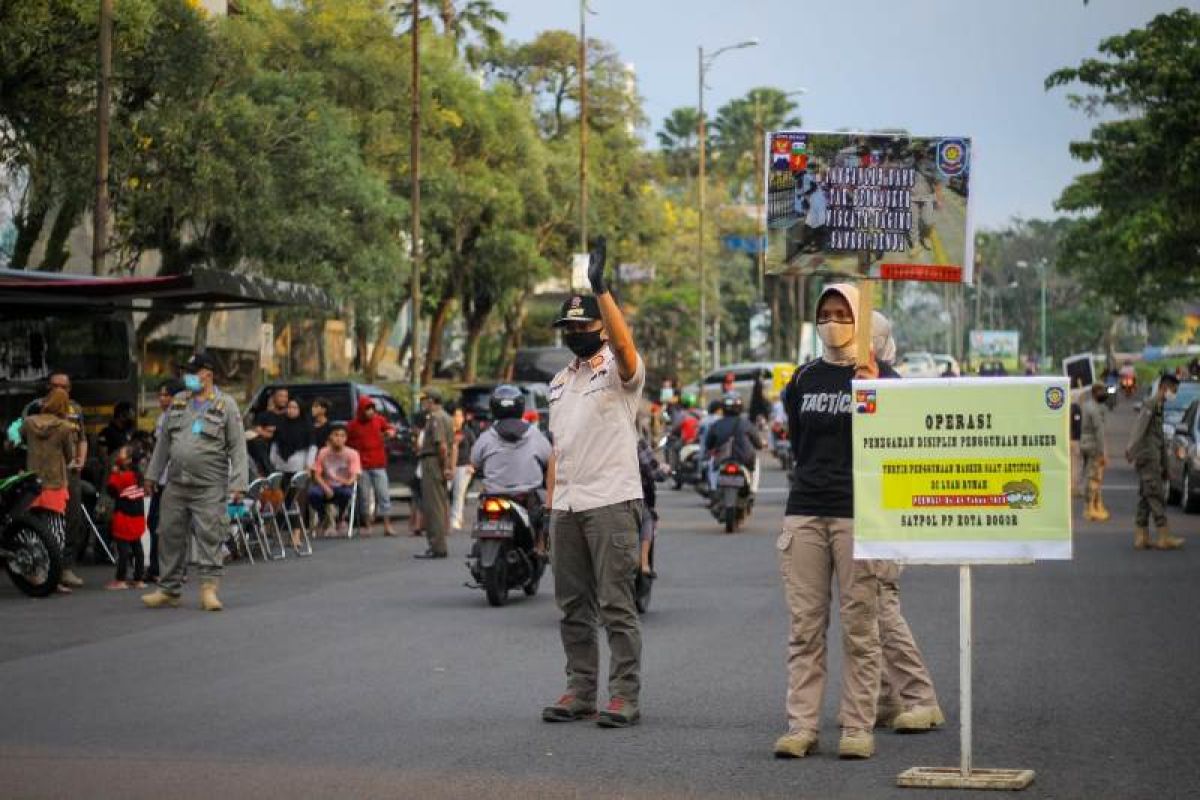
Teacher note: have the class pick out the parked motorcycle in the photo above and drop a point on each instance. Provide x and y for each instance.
(503, 556)
(734, 498)
(31, 554)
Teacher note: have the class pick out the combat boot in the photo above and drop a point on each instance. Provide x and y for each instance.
(1141, 538)
(919, 719)
(160, 599)
(796, 745)
(1166, 541)
(856, 744)
(208, 595)
(1089, 508)
(1102, 514)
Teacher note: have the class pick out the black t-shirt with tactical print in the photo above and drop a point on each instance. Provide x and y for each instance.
(819, 407)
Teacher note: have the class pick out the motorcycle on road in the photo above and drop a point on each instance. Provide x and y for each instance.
(504, 556)
(734, 497)
(30, 553)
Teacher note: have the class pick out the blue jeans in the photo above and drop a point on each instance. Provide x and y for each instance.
(375, 481)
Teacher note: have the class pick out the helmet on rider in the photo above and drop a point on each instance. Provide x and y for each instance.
(507, 402)
(689, 400)
(731, 404)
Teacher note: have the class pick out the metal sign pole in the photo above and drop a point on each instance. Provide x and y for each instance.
(966, 776)
(964, 667)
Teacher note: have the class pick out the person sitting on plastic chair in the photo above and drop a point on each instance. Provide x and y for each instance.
(335, 473)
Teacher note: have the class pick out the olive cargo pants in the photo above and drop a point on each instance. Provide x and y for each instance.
(595, 556)
(812, 550)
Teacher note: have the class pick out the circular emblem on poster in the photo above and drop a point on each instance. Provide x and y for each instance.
(951, 157)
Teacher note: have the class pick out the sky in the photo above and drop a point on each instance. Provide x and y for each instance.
(934, 67)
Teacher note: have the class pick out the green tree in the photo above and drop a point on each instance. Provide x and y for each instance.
(740, 126)
(1138, 246)
(679, 140)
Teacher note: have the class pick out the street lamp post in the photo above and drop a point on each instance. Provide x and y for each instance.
(1042, 263)
(704, 63)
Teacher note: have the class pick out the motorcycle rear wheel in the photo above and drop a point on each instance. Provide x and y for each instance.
(39, 567)
(495, 582)
(730, 519)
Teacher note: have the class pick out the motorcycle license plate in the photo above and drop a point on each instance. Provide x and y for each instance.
(731, 480)
(494, 528)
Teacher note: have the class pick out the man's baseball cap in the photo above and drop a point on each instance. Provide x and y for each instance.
(578, 308)
(200, 361)
(432, 394)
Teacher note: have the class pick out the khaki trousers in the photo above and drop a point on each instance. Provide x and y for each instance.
(812, 550)
(904, 679)
(435, 504)
(190, 515)
(595, 558)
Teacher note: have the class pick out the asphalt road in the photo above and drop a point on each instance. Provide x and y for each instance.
(363, 673)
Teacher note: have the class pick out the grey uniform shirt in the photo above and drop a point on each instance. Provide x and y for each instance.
(508, 467)
(202, 444)
(593, 416)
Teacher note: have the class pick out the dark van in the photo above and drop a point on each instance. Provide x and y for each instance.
(343, 398)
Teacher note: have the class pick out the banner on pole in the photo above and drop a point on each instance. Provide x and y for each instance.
(876, 205)
(962, 469)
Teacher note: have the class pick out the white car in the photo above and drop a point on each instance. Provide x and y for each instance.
(917, 365)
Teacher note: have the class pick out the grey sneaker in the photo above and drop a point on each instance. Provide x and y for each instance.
(569, 708)
(619, 713)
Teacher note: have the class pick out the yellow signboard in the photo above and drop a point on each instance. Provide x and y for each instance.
(962, 469)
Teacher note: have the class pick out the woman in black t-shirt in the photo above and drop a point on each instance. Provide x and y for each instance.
(817, 542)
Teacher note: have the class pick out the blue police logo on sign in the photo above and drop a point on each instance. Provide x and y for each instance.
(951, 157)
(1055, 397)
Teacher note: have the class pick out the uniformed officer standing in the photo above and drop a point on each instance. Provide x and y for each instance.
(436, 469)
(594, 491)
(203, 448)
(1093, 421)
(1147, 451)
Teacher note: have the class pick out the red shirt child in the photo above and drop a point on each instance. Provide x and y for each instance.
(128, 519)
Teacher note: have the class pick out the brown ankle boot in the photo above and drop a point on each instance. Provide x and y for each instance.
(1166, 541)
(1102, 514)
(1141, 538)
(208, 595)
(1089, 507)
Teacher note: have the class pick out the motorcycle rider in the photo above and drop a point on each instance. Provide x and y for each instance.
(685, 424)
(734, 434)
(511, 456)
(706, 422)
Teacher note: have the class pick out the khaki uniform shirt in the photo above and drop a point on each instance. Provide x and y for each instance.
(439, 433)
(1091, 429)
(202, 445)
(593, 416)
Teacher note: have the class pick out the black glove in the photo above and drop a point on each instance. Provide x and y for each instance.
(596, 266)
